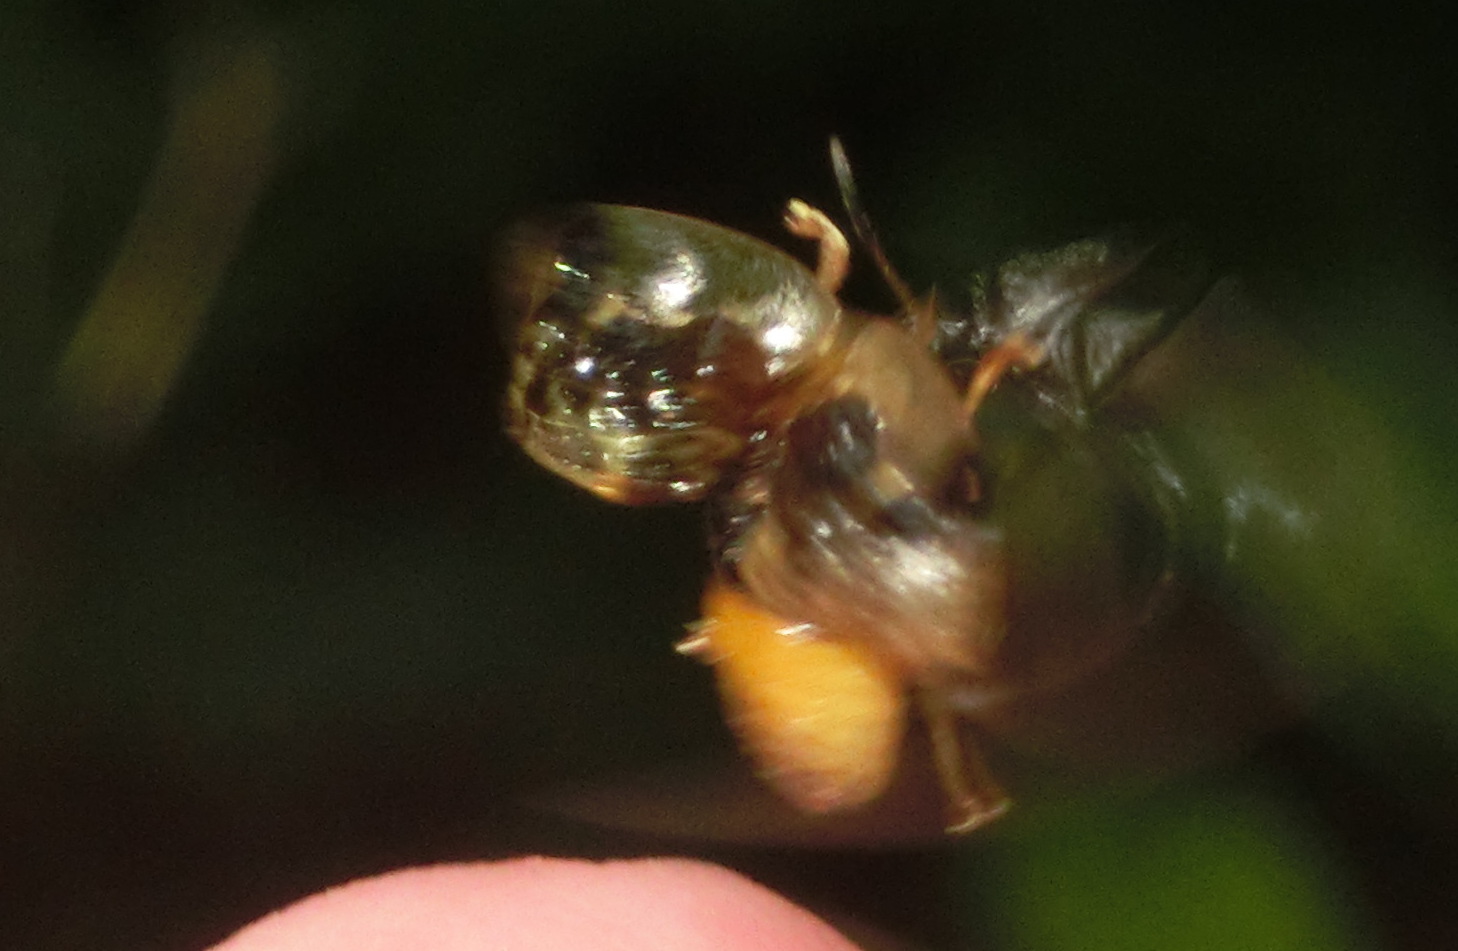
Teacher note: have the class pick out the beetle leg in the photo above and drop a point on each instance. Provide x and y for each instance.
(974, 796)
(1017, 352)
(833, 265)
(920, 317)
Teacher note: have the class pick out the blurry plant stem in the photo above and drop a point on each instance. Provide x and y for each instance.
(136, 335)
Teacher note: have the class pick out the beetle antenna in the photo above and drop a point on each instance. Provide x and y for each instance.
(861, 223)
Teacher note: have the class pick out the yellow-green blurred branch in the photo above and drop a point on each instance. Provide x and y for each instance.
(137, 334)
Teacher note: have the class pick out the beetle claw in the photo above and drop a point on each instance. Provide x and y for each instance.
(695, 642)
(974, 814)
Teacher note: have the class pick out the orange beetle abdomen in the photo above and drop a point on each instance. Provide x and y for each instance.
(822, 717)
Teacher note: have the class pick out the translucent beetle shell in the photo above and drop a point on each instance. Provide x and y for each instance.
(650, 346)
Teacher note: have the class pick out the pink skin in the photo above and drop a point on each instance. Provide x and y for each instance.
(541, 904)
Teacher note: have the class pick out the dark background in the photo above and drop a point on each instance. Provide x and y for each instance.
(314, 618)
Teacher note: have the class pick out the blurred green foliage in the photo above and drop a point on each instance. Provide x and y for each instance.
(320, 620)
(1222, 865)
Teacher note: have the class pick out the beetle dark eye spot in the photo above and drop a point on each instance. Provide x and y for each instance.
(837, 440)
(851, 450)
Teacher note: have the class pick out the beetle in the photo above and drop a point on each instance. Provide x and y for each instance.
(881, 523)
